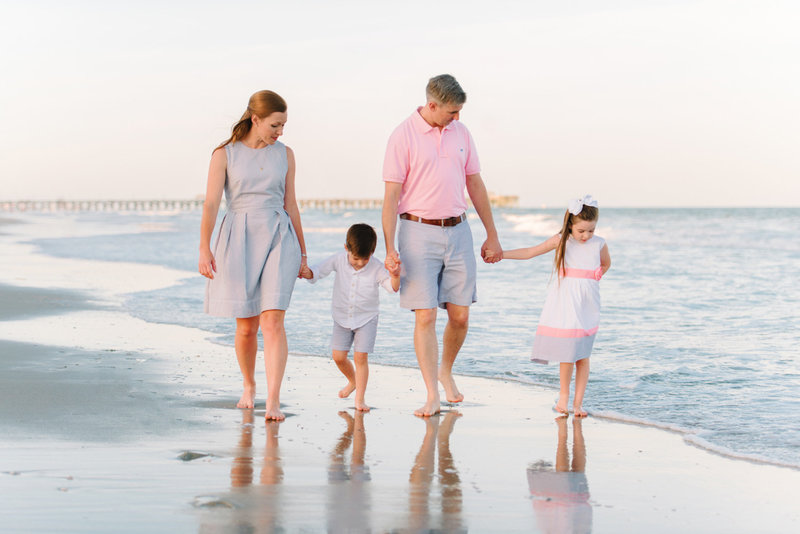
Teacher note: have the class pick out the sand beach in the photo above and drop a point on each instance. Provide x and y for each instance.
(113, 424)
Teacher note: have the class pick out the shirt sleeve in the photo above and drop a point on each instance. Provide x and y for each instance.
(395, 162)
(324, 268)
(473, 165)
(384, 279)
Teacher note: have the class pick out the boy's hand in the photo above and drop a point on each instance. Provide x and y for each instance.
(394, 271)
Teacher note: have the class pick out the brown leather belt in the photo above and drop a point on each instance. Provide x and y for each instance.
(451, 221)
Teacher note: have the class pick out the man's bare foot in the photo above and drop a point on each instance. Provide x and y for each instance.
(248, 400)
(361, 406)
(451, 392)
(579, 411)
(430, 408)
(274, 413)
(347, 390)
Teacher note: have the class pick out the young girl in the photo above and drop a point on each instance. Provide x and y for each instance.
(571, 312)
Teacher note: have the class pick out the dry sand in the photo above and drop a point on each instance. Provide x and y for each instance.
(111, 424)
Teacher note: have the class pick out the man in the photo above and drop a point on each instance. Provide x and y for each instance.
(430, 159)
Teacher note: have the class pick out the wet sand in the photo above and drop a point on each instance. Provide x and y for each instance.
(111, 424)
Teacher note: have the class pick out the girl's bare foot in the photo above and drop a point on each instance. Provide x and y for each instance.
(432, 407)
(579, 411)
(274, 413)
(361, 406)
(451, 392)
(347, 390)
(248, 399)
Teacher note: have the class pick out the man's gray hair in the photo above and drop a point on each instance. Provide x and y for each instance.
(444, 89)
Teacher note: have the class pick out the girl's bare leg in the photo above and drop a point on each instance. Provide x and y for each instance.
(276, 352)
(565, 377)
(246, 345)
(362, 375)
(581, 379)
(344, 365)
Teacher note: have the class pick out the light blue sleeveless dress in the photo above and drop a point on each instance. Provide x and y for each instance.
(257, 252)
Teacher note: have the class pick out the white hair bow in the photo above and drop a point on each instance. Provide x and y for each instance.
(576, 206)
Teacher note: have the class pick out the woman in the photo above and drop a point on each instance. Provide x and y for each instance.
(260, 249)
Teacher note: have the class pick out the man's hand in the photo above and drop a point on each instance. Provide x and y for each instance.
(491, 251)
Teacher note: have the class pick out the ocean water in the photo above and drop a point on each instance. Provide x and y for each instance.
(700, 325)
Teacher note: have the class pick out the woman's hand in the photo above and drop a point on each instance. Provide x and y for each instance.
(207, 266)
(304, 272)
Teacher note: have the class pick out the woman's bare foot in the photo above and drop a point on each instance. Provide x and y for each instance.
(347, 390)
(274, 413)
(432, 407)
(451, 392)
(248, 400)
(361, 406)
(579, 411)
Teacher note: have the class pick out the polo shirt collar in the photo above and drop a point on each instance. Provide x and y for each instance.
(421, 125)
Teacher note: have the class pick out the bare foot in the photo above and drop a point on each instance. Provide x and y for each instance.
(248, 400)
(361, 406)
(274, 413)
(451, 392)
(347, 390)
(579, 411)
(430, 408)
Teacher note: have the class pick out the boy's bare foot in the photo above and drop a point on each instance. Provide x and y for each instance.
(451, 392)
(361, 406)
(432, 407)
(579, 411)
(248, 399)
(274, 413)
(347, 390)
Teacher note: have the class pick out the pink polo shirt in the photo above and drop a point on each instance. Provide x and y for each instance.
(432, 165)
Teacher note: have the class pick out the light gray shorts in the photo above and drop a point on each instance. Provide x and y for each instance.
(362, 339)
(438, 265)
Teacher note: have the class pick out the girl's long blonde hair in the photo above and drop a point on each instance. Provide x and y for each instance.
(262, 104)
(588, 213)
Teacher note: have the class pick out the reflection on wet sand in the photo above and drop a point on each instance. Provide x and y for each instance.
(251, 511)
(348, 502)
(437, 436)
(561, 495)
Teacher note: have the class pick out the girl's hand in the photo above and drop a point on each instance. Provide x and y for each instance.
(207, 266)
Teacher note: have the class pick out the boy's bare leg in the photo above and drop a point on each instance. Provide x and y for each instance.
(276, 352)
(454, 334)
(246, 346)
(427, 349)
(565, 377)
(362, 375)
(581, 379)
(344, 365)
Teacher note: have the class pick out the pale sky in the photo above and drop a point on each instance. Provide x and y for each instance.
(640, 103)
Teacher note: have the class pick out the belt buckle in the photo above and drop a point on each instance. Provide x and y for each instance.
(441, 222)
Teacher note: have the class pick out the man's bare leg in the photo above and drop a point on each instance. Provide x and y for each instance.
(454, 334)
(246, 345)
(427, 348)
(276, 352)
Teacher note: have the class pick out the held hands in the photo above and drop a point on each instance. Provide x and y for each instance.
(305, 271)
(491, 251)
(207, 266)
(392, 263)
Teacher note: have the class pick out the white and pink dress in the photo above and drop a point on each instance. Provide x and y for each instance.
(571, 314)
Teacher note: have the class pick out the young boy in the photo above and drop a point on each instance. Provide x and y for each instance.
(355, 304)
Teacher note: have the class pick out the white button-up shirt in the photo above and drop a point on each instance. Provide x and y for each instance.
(355, 292)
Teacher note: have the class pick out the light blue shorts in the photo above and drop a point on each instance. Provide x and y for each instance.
(362, 339)
(438, 265)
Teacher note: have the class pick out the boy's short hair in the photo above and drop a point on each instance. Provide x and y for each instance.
(361, 240)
